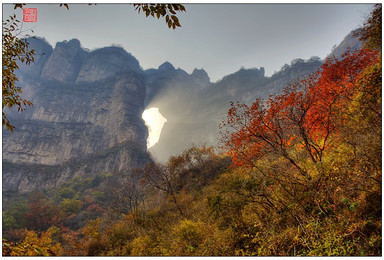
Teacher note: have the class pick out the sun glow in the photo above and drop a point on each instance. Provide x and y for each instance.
(155, 122)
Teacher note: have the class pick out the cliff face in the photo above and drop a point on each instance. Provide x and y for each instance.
(64, 62)
(80, 124)
(106, 62)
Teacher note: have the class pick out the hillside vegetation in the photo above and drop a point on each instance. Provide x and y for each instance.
(299, 174)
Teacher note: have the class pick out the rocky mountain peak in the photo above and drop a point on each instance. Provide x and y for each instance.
(201, 74)
(76, 129)
(166, 66)
(74, 44)
(105, 63)
(65, 61)
(43, 51)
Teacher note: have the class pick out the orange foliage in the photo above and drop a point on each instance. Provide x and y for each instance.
(305, 113)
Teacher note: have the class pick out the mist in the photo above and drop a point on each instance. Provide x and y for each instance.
(194, 107)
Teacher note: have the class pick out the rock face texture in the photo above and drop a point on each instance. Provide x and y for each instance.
(43, 51)
(81, 124)
(64, 62)
(105, 63)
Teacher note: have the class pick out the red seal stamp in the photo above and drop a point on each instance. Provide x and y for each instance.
(30, 15)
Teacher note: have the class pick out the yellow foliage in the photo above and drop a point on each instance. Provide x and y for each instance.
(141, 246)
(92, 229)
(33, 245)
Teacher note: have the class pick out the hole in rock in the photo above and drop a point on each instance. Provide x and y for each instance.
(155, 122)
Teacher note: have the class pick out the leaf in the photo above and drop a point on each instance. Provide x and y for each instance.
(174, 18)
(18, 6)
(66, 6)
(37, 250)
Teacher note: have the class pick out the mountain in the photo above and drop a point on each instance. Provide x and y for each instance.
(86, 117)
(350, 42)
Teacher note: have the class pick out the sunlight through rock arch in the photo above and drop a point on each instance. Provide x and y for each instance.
(155, 122)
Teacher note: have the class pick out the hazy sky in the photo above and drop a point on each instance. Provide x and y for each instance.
(221, 38)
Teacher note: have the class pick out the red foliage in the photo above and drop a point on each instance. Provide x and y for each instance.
(304, 114)
(334, 89)
(95, 209)
(42, 214)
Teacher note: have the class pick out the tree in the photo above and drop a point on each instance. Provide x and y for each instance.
(191, 170)
(305, 114)
(33, 245)
(42, 213)
(161, 10)
(155, 10)
(16, 50)
(126, 192)
(162, 178)
(294, 151)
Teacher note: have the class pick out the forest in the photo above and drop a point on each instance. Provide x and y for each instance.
(298, 174)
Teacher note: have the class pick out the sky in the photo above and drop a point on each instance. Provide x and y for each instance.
(220, 38)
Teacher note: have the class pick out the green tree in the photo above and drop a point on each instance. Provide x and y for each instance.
(71, 206)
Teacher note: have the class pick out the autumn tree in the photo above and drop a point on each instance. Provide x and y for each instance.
(15, 51)
(127, 194)
(297, 152)
(33, 245)
(168, 11)
(304, 115)
(42, 213)
(190, 170)
(161, 178)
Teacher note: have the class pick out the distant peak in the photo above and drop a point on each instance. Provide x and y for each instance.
(37, 39)
(166, 66)
(198, 71)
(74, 43)
(252, 71)
(112, 50)
(201, 74)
